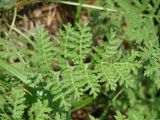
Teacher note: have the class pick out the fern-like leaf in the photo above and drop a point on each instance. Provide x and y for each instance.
(44, 50)
(106, 51)
(119, 116)
(40, 111)
(61, 116)
(75, 43)
(110, 68)
(61, 95)
(152, 69)
(14, 105)
(87, 78)
(71, 81)
(82, 43)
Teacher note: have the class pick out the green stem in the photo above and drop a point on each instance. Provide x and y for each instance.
(79, 9)
(108, 105)
(13, 21)
(86, 6)
(82, 103)
(8, 67)
(101, 8)
(103, 115)
(23, 35)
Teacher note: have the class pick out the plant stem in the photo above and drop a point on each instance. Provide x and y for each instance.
(86, 6)
(14, 71)
(23, 35)
(101, 8)
(13, 21)
(79, 9)
(102, 117)
(82, 103)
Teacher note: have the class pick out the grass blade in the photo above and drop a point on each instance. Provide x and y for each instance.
(12, 70)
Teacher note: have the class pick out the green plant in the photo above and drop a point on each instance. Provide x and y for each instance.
(42, 79)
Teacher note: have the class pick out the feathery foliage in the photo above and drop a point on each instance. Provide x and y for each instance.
(13, 107)
(116, 57)
(39, 111)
